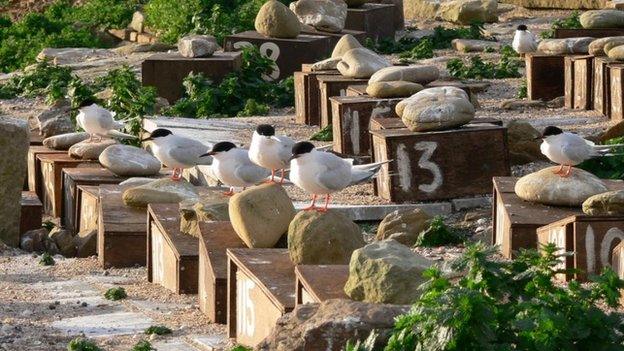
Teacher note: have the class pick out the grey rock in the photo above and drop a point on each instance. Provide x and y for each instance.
(393, 89)
(347, 42)
(129, 161)
(602, 19)
(361, 63)
(404, 226)
(606, 204)
(565, 46)
(86, 150)
(469, 11)
(422, 74)
(54, 121)
(276, 20)
(64, 241)
(211, 206)
(197, 45)
(65, 141)
(85, 243)
(138, 22)
(473, 45)
(34, 240)
(159, 191)
(323, 15)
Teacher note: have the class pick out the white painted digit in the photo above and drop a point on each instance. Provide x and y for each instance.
(354, 130)
(404, 168)
(241, 44)
(590, 250)
(428, 147)
(605, 247)
(378, 111)
(245, 315)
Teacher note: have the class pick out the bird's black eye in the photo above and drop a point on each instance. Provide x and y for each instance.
(302, 148)
(265, 129)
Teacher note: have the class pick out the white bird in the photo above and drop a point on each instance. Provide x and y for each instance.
(177, 152)
(524, 41)
(98, 121)
(232, 166)
(270, 151)
(569, 149)
(323, 173)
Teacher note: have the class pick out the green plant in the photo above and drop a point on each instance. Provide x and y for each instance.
(240, 348)
(115, 294)
(46, 259)
(511, 305)
(158, 330)
(253, 108)
(104, 14)
(607, 167)
(507, 67)
(42, 79)
(439, 234)
(423, 50)
(48, 225)
(325, 134)
(367, 345)
(143, 345)
(82, 344)
(522, 90)
(572, 21)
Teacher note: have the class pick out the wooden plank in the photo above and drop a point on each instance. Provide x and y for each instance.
(616, 92)
(173, 257)
(600, 86)
(357, 90)
(261, 288)
(121, 230)
(34, 167)
(545, 76)
(215, 239)
(52, 166)
(288, 54)
(568, 84)
(351, 116)
(166, 71)
(439, 165)
(31, 211)
(583, 80)
(87, 211)
(397, 123)
(331, 86)
(317, 283)
(563, 33)
(307, 96)
(376, 20)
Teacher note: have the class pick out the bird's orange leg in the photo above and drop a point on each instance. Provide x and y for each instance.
(559, 170)
(229, 193)
(272, 180)
(324, 209)
(175, 176)
(312, 205)
(282, 180)
(568, 172)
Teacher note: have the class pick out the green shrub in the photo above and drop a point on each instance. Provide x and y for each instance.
(172, 19)
(325, 134)
(607, 167)
(105, 14)
(507, 67)
(439, 234)
(511, 305)
(82, 344)
(158, 330)
(423, 50)
(570, 22)
(43, 79)
(46, 259)
(367, 345)
(522, 90)
(240, 348)
(115, 294)
(143, 345)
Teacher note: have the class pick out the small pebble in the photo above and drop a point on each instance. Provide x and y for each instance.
(52, 306)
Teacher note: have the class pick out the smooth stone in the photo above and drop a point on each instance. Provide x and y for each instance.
(347, 42)
(64, 241)
(473, 45)
(559, 4)
(160, 191)
(617, 53)
(129, 161)
(197, 46)
(324, 15)
(64, 141)
(565, 46)
(386, 272)
(138, 22)
(34, 240)
(615, 131)
(547, 188)
(329, 325)
(260, 215)
(602, 19)
(600, 47)
(361, 63)
(514, 104)
(211, 206)
(524, 147)
(276, 20)
(54, 121)
(14, 143)
(323, 238)
(606, 204)
(422, 74)
(134, 48)
(325, 65)
(393, 89)
(86, 150)
(86, 243)
(404, 226)
(469, 11)
(437, 108)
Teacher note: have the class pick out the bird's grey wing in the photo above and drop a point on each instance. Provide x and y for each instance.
(105, 119)
(578, 150)
(337, 173)
(187, 151)
(285, 151)
(250, 173)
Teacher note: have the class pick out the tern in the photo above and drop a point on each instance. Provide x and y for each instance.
(524, 41)
(270, 151)
(323, 173)
(569, 149)
(98, 121)
(177, 152)
(232, 166)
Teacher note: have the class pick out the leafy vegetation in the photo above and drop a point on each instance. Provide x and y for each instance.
(522, 90)
(511, 305)
(143, 345)
(158, 330)
(43, 79)
(82, 344)
(46, 259)
(240, 93)
(439, 234)
(115, 294)
(240, 348)
(507, 67)
(572, 21)
(422, 50)
(608, 167)
(367, 345)
(325, 134)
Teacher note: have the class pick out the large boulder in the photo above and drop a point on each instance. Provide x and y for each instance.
(65, 141)
(14, 142)
(138, 22)
(211, 206)
(547, 188)
(325, 65)
(197, 45)
(602, 19)
(616, 53)
(55, 120)
(469, 11)
(473, 45)
(361, 63)
(86, 243)
(276, 20)
(323, 15)
(346, 43)
(393, 89)
(160, 191)
(86, 150)
(330, 324)
(260, 215)
(404, 226)
(610, 203)
(422, 74)
(129, 161)
(524, 147)
(565, 46)
(64, 241)
(420, 9)
(436, 109)
(34, 240)
(386, 272)
(323, 238)
(600, 47)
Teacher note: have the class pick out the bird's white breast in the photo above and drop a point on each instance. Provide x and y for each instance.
(224, 167)
(524, 42)
(266, 152)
